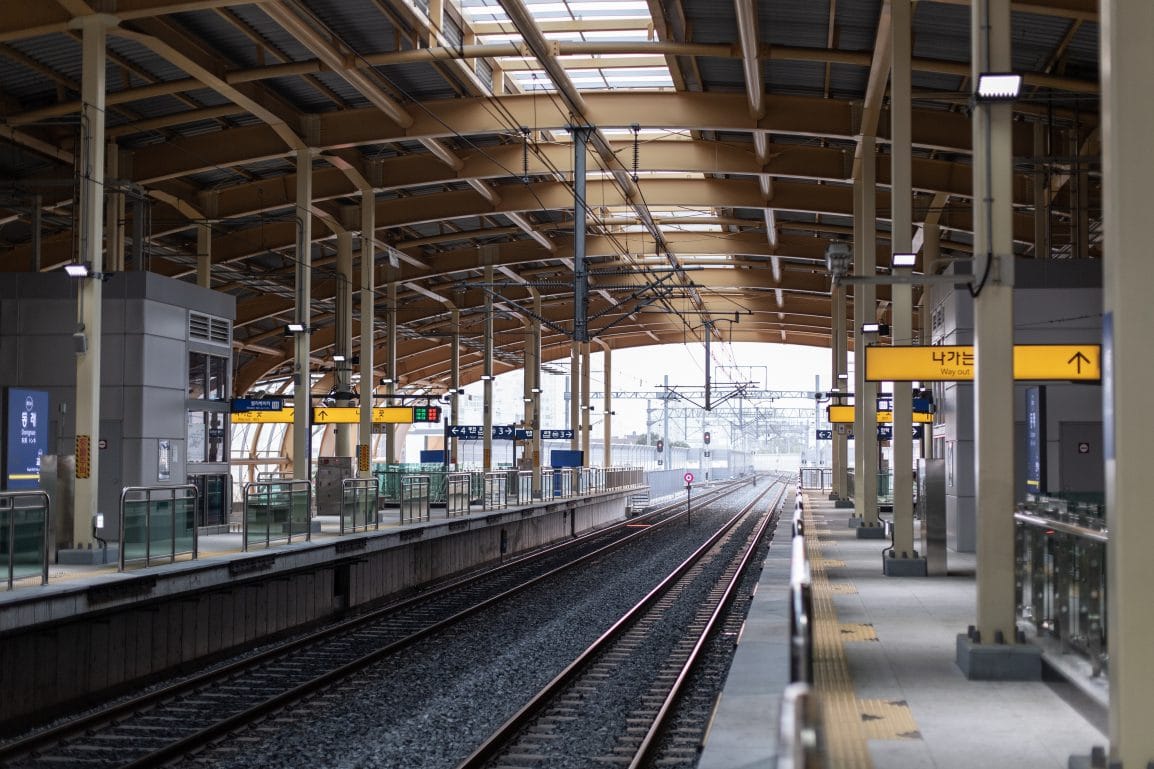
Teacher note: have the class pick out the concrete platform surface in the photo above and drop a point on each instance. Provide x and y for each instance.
(891, 693)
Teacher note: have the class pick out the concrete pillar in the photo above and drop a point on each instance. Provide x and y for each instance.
(368, 310)
(901, 208)
(993, 340)
(204, 253)
(343, 342)
(931, 253)
(94, 31)
(392, 376)
(865, 311)
(302, 395)
(487, 377)
(1127, 114)
(840, 453)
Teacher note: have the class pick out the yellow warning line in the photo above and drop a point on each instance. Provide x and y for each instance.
(849, 722)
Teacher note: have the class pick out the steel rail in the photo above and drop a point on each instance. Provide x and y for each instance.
(497, 742)
(136, 705)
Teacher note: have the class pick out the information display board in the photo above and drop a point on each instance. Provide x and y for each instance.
(26, 437)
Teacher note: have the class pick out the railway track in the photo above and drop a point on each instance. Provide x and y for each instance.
(614, 702)
(160, 726)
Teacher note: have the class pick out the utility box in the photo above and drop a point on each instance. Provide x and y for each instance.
(931, 510)
(331, 472)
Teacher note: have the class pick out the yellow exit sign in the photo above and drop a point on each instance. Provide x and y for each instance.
(844, 415)
(955, 363)
(344, 415)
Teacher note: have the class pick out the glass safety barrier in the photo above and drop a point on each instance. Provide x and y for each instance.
(494, 497)
(157, 524)
(1061, 557)
(457, 494)
(276, 511)
(360, 500)
(25, 528)
(414, 500)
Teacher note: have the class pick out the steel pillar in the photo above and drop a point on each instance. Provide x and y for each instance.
(302, 341)
(392, 376)
(586, 405)
(840, 458)
(488, 370)
(455, 383)
(607, 407)
(575, 395)
(580, 275)
(368, 340)
(343, 342)
(533, 376)
(204, 253)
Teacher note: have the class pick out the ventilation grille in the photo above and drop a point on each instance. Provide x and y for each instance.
(209, 329)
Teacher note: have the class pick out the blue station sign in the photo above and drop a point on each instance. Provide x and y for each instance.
(26, 436)
(257, 404)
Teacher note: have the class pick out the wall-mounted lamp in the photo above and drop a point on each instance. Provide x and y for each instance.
(536, 390)
(997, 87)
(528, 400)
(903, 260)
(875, 328)
(77, 270)
(386, 380)
(295, 328)
(843, 376)
(486, 377)
(338, 358)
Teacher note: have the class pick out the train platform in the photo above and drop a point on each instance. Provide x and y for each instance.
(891, 693)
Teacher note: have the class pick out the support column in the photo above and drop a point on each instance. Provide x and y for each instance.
(368, 341)
(931, 253)
(668, 449)
(302, 341)
(140, 215)
(1128, 368)
(392, 376)
(840, 384)
(586, 404)
(343, 342)
(90, 292)
(487, 377)
(902, 560)
(204, 253)
(575, 395)
(533, 377)
(865, 311)
(989, 651)
(455, 383)
(607, 406)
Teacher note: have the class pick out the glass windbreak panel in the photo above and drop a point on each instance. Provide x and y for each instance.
(161, 516)
(185, 525)
(197, 443)
(300, 511)
(257, 514)
(216, 436)
(22, 539)
(135, 529)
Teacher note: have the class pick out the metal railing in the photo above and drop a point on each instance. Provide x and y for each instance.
(275, 511)
(360, 500)
(414, 498)
(799, 726)
(1061, 557)
(521, 486)
(25, 528)
(157, 524)
(818, 478)
(457, 496)
(494, 496)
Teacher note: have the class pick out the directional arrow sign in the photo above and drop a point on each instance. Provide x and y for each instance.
(825, 435)
(956, 363)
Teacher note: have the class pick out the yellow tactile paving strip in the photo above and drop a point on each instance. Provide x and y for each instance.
(849, 722)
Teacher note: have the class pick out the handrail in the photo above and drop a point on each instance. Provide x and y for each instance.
(799, 724)
(9, 501)
(494, 496)
(1097, 534)
(797, 741)
(414, 498)
(457, 494)
(163, 494)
